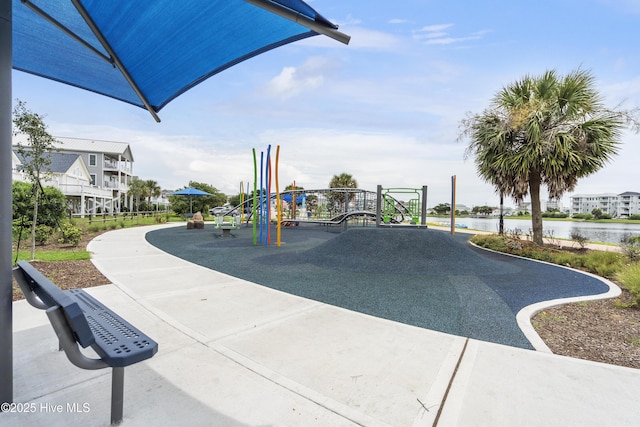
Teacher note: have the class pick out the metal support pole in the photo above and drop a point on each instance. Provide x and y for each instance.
(423, 212)
(501, 226)
(117, 395)
(6, 313)
(453, 205)
(378, 205)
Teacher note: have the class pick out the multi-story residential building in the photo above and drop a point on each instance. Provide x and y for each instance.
(68, 173)
(617, 205)
(524, 206)
(554, 204)
(628, 204)
(109, 166)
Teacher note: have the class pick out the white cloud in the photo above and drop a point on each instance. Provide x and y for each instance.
(450, 40)
(435, 34)
(435, 28)
(289, 83)
(292, 81)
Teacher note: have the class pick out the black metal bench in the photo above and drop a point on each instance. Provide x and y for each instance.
(81, 320)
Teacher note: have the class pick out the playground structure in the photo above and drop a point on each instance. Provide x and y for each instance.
(332, 207)
(328, 206)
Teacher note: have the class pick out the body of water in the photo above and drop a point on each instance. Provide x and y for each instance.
(593, 231)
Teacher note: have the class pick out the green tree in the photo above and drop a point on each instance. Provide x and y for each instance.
(36, 155)
(482, 210)
(546, 130)
(52, 205)
(235, 200)
(442, 208)
(597, 213)
(180, 204)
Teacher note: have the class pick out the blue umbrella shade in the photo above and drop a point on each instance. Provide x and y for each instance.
(148, 53)
(190, 191)
(145, 53)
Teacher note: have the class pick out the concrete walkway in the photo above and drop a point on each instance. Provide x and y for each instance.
(233, 353)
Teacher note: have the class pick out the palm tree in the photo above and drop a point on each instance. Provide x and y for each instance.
(547, 130)
(152, 190)
(336, 200)
(137, 190)
(344, 180)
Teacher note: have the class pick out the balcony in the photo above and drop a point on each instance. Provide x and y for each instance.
(114, 185)
(84, 190)
(114, 165)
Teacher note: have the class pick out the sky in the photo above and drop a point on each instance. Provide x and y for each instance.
(385, 109)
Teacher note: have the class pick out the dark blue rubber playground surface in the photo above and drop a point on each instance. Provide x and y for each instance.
(421, 277)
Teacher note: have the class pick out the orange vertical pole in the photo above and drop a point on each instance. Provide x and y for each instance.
(268, 178)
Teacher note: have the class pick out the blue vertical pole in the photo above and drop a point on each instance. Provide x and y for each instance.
(261, 192)
(267, 179)
(6, 308)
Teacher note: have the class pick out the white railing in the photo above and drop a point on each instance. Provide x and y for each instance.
(116, 165)
(84, 190)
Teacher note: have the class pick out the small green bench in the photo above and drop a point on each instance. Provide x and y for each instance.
(226, 224)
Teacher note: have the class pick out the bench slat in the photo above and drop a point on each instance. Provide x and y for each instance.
(116, 340)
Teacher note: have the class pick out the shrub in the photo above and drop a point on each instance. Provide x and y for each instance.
(93, 228)
(583, 216)
(634, 216)
(551, 239)
(554, 214)
(43, 232)
(603, 264)
(70, 234)
(629, 277)
(568, 259)
(631, 246)
(491, 241)
(579, 239)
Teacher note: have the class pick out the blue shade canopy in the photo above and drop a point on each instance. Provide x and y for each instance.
(190, 191)
(147, 53)
(144, 52)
